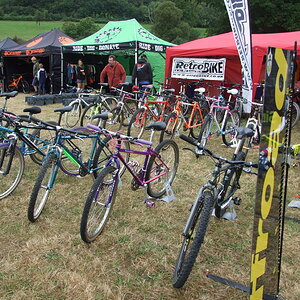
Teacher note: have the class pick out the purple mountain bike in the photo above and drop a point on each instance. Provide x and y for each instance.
(156, 173)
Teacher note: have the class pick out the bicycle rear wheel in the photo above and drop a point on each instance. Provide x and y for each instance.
(205, 130)
(231, 123)
(166, 161)
(25, 86)
(99, 205)
(73, 117)
(11, 161)
(116, 121)
(138, 123)
(173, 123)
(42, 187)
(193, 238)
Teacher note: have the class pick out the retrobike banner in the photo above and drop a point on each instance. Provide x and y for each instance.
(198, 68)
(271, 180)
(238, 13)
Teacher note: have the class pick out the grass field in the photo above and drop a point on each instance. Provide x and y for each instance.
(135, 255)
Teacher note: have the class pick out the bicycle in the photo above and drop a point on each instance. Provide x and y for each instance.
(124, 110)
(192, 122)
(225, 119)
(64, 150)
(150, 109)
(156, 174)
(12, 162)
(18, 83)
(216, 195)
(101, 104)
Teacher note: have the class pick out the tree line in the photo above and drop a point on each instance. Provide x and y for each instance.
(173, 20)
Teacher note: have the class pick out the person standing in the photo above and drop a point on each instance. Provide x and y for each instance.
(81, 76)
(142, 71)
(42, 76)
(35, 82)
(114, 72)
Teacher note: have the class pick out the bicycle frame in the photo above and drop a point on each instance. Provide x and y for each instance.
(117, 157)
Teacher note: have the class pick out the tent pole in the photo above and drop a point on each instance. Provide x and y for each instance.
(136, 54)
(61, 69)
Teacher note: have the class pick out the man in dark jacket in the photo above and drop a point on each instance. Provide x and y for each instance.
(114, 72)
(142, 71)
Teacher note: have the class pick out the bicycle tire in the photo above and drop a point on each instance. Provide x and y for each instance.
(90, 228)
(77, 147)
(41, 188)
(197, 119)
(199, 222)
(72, 118)
(172, 125)
(295, 114)
(130, 108)
(116, 121)
(157, 188)
(138, 123)
(90, 111)
(10, 87)
(230, 125)
(25, 86)
(229, 183)
(105, 151)
(41, 143)
(10, 181)
(205, 130)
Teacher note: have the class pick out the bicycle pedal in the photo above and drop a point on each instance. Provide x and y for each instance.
(149, 203)
(237, 200)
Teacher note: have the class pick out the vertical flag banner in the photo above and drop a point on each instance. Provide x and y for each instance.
(238, 13)
(271, 180)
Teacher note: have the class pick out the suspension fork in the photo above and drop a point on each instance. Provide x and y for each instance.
(11, 152)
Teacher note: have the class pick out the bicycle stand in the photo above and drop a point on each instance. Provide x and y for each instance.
(228, 215)
(236, 285)
(168, 197)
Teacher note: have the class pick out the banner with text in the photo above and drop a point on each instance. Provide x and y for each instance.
(238, 13)
(270, 187)
(198, 68)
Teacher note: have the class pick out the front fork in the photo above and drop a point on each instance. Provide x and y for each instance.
(11, 152)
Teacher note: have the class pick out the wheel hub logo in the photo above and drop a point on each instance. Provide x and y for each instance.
(108, 35)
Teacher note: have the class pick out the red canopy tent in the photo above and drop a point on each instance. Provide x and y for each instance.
(223, 45)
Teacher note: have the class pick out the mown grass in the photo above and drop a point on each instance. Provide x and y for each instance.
(135, 255)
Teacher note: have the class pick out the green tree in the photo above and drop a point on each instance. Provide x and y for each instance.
(168, 23)
(80, 30)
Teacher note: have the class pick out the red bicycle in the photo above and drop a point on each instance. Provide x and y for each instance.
(18, 83)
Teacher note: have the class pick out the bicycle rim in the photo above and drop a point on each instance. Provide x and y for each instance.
(10, 181)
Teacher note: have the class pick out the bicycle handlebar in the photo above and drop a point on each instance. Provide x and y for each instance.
(200, 147)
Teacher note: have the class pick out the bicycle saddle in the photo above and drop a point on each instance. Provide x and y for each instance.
(244, 132)
(156, 126)
(32, 110)
(63, 109)
(103, 116)
(9, 95)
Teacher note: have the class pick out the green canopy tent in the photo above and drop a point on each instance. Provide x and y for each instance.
(127, 40)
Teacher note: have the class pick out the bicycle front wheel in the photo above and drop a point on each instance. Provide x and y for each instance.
(193, 238)
(42, 187)
(231, 123)
(73, 116)
(25, 86)
(87, 115)
(205, 130)
(166, 162)
(295, 114)
(99, 205)
(11, 169)
(137, 123)
(197, 122)
(116, 121)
